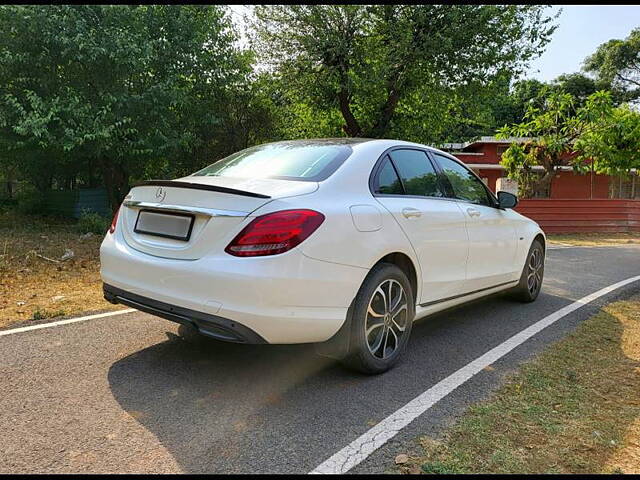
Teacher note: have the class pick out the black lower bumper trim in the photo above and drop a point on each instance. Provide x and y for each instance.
(207, 324)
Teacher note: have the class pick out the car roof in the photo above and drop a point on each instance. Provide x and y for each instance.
(389, 142)
(323, 141)
(354, 141)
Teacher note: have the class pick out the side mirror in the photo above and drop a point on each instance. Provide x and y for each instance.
(507, 200)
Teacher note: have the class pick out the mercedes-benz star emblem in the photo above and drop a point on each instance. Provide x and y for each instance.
(160, 194)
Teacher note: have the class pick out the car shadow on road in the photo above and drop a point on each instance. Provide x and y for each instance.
(197, 397)
(228, 408)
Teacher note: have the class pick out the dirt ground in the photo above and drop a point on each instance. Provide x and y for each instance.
(595, 239)
(37, 279)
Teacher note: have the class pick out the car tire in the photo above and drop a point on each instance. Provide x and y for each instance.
(379, 336)
(532, 274)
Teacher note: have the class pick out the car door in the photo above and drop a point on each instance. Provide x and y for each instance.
(406, 183)
(492, 233)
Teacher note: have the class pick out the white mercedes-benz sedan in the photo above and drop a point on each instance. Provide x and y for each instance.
(338, 242)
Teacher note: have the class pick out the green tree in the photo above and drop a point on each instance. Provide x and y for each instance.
(596, 135)
(578, 85)
(373, 63)
(617, 62)
(121, 90)
(512, 106)
(581, 86)
(614, 147)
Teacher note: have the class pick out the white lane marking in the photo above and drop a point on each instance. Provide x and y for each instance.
(65, 322)
(366, 444)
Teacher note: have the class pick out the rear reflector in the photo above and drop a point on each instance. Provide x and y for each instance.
(112, 228)
(275, 233)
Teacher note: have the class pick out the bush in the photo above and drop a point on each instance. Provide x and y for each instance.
(8, 204)
(92, 222)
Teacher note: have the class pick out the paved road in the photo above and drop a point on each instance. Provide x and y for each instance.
(125, 394)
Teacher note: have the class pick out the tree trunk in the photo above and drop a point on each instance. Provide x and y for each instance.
(116, 181)
(381, 127)
(544, 183)
(9, 184)
(351, 127)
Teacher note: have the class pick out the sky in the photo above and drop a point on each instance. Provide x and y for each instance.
(581, 30)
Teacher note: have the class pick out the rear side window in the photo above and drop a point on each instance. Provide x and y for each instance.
(388, 181)
(465, 185)
(417, 173)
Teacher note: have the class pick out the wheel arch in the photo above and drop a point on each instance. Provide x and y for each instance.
(542, 240)
(338, 346)
(406, 264)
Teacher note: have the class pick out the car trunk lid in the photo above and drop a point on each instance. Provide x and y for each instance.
(186, 218)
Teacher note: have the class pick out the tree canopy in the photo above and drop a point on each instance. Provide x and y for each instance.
(107, 95)
(375, 63)
(617, 62)
(121, 90)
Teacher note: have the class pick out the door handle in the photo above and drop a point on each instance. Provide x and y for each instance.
(473, 212)
(411, 212)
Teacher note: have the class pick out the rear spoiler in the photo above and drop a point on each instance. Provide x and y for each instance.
(199, 186)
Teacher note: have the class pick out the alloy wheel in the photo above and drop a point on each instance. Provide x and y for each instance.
(387, 317)
(534, 275)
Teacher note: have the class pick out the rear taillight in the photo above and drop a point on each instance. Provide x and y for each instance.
(275, 233)
(112, 228)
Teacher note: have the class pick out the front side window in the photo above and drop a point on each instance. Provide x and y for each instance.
(291, 161)
(464, 184)
(417, 173)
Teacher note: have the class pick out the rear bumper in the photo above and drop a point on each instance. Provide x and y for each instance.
(211, 325)
(287, 298)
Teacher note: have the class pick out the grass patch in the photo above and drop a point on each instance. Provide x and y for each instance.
(595, 239)
(44, 314)
(35, 283)
(573, 409)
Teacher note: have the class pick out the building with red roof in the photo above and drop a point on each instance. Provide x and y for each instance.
(574, 202)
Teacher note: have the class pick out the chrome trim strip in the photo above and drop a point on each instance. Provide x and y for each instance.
(209, 212)
(514, 282)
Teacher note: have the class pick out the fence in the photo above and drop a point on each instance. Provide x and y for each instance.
(71, 203)
(567, 216)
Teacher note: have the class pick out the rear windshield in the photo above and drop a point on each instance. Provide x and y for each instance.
(299, 161)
